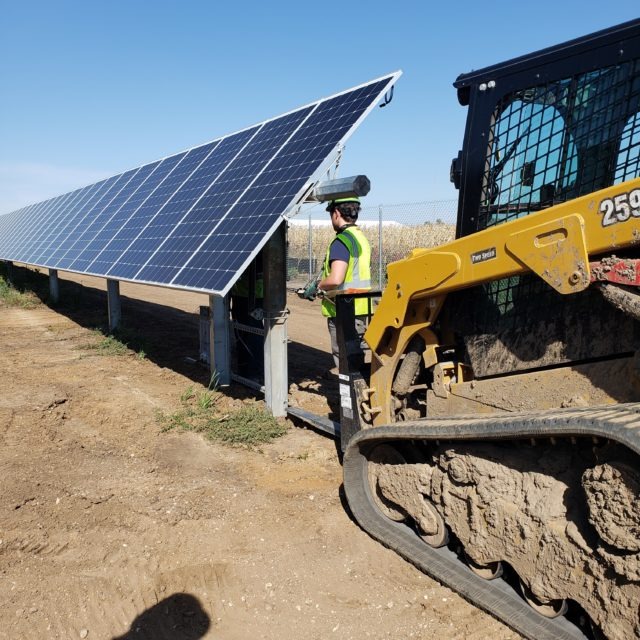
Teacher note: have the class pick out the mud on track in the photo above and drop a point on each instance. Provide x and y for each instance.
(110, 528)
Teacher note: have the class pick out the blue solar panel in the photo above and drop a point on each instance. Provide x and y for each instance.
(47, 234)
(83, 231)
(57, 233)
(103, 226)
(196, 219)
(231, 244)
(14, 228)
(161, 211)
(183, 239)
(133, 217)
(10, 227)
(74, 216)
(34, 225)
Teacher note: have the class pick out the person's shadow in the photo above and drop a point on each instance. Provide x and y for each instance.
(180, 616)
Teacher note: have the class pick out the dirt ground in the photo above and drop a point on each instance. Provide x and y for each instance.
(111, 528)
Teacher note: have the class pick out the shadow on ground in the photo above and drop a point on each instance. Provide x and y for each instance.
(169, 337)
(180, 616)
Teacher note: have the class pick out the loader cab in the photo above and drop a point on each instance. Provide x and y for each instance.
(543, 129)
(549, 127)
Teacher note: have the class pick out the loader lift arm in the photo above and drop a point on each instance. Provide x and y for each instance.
(556, 244)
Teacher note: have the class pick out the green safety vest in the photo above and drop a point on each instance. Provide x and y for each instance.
(358, 271)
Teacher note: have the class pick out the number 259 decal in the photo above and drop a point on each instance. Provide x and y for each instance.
(620, 208)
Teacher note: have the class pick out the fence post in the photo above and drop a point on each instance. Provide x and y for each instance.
(380, 247)
(310, 247)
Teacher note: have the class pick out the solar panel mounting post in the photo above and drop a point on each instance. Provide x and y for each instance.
(275, 323)
(206, 334)
(113, 304)
(54, 286)
(219, 344)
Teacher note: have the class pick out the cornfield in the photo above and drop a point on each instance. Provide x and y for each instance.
(307, 246)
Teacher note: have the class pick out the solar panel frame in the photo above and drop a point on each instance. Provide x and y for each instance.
(76, 231)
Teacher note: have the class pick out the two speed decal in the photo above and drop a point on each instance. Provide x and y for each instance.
(620, 208)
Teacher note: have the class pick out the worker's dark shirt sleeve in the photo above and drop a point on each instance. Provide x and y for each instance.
(338, 251)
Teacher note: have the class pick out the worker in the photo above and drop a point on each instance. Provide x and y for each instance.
(347, 265)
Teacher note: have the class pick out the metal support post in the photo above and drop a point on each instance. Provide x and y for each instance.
(380, 273)
(219, 344)
(113, 304)
(54, 286)
(10, 273)
(275, 323)
(205, 335)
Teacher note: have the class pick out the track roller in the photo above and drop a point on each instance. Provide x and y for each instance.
(549, 609)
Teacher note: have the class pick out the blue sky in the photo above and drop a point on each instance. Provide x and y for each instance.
(93, 88)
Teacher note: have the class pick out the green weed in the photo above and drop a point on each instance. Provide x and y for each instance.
(169, 421)
(187, 394)
(206, 400)
(214, 381)
(248, 426)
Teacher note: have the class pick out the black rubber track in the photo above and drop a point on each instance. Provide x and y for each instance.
(620, 423)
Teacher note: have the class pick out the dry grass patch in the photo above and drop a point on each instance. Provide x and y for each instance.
(12, 297)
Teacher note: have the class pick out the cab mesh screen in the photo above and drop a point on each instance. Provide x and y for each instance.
(549, 144)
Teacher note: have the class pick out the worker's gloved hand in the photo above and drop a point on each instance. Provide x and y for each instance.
(309, 292)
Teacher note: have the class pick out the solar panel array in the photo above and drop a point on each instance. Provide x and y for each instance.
(193, 220)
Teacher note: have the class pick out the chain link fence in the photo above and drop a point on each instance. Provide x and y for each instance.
(393, 230)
